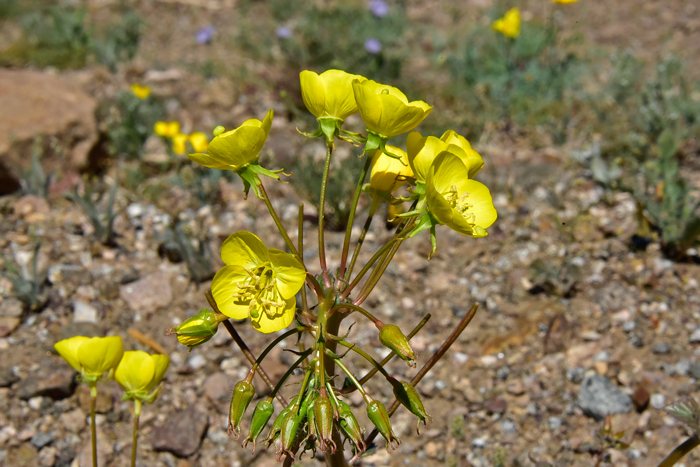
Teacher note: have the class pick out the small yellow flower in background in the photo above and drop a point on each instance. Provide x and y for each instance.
(199, 141)
(385, 110)
(454, 200)
(166, 129)
(91, 356)
(509, 25)
(235, 149)
(257, 282)
(389, 173)
(422, 151)
(179, 141)
(140, 91)
(139, 373)
(564, 2)
(329, 94)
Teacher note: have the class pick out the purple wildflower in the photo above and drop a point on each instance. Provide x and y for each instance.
(379, 8)
(283, 32)
(204, 35)
(373, 46)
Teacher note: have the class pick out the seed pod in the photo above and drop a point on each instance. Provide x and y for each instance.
(323, 417)
(243, 393)
(288, 435)
(261, 415)
(409, 398)
(277, 427)
(391, 336)
(350, 427)
(380, 417)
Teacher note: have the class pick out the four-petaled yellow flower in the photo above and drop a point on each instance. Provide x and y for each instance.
(422, 151)
(139, 373)
(509, 25)
(199, 141)
(166, 129)
(91, 356)
(140, 91)
(454, 200)
(385, 110)
(179, 141)
(388, 173)
(235, 149)
(329, 95)
(257, 282)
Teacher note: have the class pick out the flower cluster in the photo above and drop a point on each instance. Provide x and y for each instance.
(171, 130)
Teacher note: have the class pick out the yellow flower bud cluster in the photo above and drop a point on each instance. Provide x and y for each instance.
(171, 130)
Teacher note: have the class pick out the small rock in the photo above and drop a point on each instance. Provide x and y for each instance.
(591, 336)
(56, 386)
(575, 375)
(497, 405)
(7, 377)
(658, 401)
(40, 439)
(554, 423)
(683, 367)
(84, 313)
(636, 341)
(431, 449)
(599, 397)
(47, 456)
(640, 397)
(516, 388)
(74, 421)
(695, 370)
(11, 308)
(181, 433)
(509, 427)
(478, 443)
(149, 293)
(503, 373)
(633, 454)
(197, 361)
(25, 454)
(629, 326)
(661, 348)
(8, 325)
(695, 336)
(218, 391)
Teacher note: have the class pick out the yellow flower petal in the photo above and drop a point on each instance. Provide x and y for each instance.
(421, 152)
(98, 355)
(290, 273)
(509, 25)
(68, 349)
(162, 362)
(329, 94)
(244, 249)
(207, 161)
(179, 141)
(199, 141)
(280, 320)
(313, 93)
(386, 170)
(140, 91)
(135, 371)
(224, 289)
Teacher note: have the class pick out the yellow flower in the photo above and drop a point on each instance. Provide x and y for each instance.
(199, 141)
(257, 282)
(179, 141)
(422, 151)
(386, 110)
(166, 129)
(389, 173)
(138, 373)
(454, 200)
(564, 2)
(141, 92)
(235, 149)
(91, 356)
(509, 25)
(329, 94)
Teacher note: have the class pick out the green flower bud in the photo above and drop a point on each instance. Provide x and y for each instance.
(323, 418)
(409, 398)
(197, 329)
(391, 336)
(261, 415)
(243, 393)
(288, 435)
(350, 427)
(380, 417)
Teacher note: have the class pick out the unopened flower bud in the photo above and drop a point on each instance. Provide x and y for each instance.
(288, 435)
(380, 417)
(198, 329)
(323, 418)
(350, 427)
(261, 415)
(391, 336)
(409, 398)
(243, 393)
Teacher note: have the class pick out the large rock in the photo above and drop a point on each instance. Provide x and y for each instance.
(599, 397)
(181, 433)
(36, 103)
(149, 293)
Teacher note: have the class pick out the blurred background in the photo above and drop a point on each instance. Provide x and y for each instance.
(588, 122)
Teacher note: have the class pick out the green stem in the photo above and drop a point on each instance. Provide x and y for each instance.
(377, 274)
(279, 225)
(351, 218)
(367, 314)
(378, 366)
(289, 371)
(137, 414)
(351, 377)
(93, 428)
(300, 242)
(322, 215)
(680, 451)
(361, 240)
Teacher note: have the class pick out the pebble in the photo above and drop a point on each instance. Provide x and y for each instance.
(640, 397)
(7, 377)
(575, 375)
(479, 443)
(74, 421)
(497, 405)
(658, 401)
(554, 423)
(509, 427)
(84, 312)
(217, 388)
(683, 367)
(149, 293)
(695, 336)
(196, 361)
(599, 397)
(40, 439)
(661, 348)
(695, 370)
(56, 386)
(629, 326)
(181, 433)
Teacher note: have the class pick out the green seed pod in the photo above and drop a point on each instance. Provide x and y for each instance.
(288, 435)
(197, 329)
(323, 418)
(380, 417)
(243, 393)
(350, 427)
(277, 427)
(409, 398)
(391, 337)
(261, 415)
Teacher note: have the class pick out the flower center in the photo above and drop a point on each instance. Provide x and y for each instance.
(460, 204)
(259, 289)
